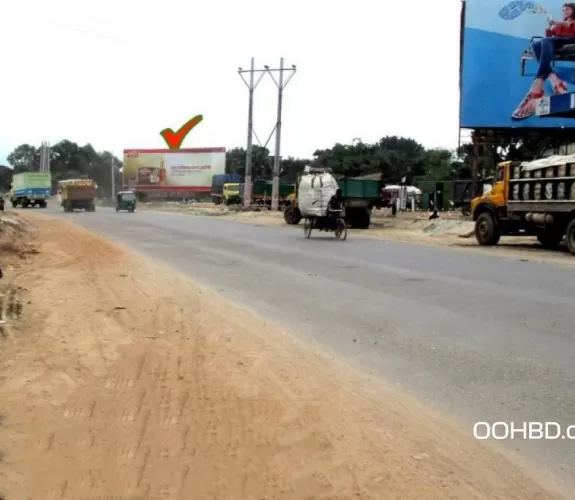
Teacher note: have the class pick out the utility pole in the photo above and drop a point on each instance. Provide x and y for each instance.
(251, 87)
(113, 175)
(277, 159)
(44, 157)
(281, 85)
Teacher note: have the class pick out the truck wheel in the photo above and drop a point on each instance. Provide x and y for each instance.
(362, 219)
(42, 204)
(292, 215)
(570, 237)
(550, 238)
(486, 230)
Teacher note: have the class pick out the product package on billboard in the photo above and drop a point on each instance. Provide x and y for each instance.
(518, 64)
(314, 193)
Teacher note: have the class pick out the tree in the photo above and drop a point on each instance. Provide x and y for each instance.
(5, 177)
(261, 166)
(68, 160)
(24, 158)
(291, 167)
(392, 157)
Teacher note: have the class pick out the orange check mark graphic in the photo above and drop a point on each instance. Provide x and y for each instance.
(174, 139)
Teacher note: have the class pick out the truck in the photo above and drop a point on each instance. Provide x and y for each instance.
(360, 197)
(221, 191)
(233, 192)
(535, 198)
(262, 192)
(31, 189)
(77, 194)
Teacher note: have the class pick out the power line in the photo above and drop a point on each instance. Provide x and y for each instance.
(281, 85)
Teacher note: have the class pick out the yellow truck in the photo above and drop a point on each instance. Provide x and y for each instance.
(534, 198)
(77, 194)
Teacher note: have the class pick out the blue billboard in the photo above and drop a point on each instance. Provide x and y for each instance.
(518, 63)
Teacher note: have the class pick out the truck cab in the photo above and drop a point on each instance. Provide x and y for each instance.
(231, 193)
(494, 199)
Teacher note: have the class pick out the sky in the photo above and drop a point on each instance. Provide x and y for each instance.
(114, 74)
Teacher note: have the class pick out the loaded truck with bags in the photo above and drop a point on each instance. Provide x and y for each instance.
(534, 198)
(77, 194)
(359, 197)
(31, 189)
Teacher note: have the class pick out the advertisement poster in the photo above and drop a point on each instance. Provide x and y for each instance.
(169, 170)
(515, 55)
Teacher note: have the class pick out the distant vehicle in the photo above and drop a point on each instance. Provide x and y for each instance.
(219, 194)
(126, 200)
(31, 189)
(77, 194)
(262, 192)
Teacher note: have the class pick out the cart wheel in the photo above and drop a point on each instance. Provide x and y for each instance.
(307, 227)
(341, 230)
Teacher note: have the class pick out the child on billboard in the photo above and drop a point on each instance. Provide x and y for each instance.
(557, 35)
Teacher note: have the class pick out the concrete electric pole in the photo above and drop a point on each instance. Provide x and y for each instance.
(281, 85)
(113, 175)
(277, 159)
(45, 157)
(251, 87)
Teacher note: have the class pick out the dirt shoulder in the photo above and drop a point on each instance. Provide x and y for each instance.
(405, 227)
(122, 378)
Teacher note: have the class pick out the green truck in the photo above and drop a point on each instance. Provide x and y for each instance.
(31, 189)
(360, 196)
(262, 192)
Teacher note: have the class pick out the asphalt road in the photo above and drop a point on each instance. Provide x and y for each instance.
(482, 339)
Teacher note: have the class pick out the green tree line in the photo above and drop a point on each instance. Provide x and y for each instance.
(391, 158)
(68, 160)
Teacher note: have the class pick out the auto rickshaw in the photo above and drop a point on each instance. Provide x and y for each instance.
(126, 200)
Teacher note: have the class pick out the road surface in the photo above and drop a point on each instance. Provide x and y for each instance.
(479, 338)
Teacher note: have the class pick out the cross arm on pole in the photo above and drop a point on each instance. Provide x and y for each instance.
(256, 83)
(292, 70)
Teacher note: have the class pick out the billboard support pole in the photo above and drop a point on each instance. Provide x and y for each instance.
(475, 168)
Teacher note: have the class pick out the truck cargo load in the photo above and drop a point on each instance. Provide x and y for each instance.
(314, 192)
(77, 194)
(31, 189)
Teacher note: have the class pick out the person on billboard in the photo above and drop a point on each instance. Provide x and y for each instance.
(558, 34)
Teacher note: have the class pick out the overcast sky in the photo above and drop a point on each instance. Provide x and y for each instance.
(114, 73)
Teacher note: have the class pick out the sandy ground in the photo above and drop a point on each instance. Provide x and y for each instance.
(406, 227)
(121, 379)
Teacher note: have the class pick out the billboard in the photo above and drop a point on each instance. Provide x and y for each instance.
(172, 169)
(515, 55)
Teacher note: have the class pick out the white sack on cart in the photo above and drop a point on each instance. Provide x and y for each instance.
(314, 193)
